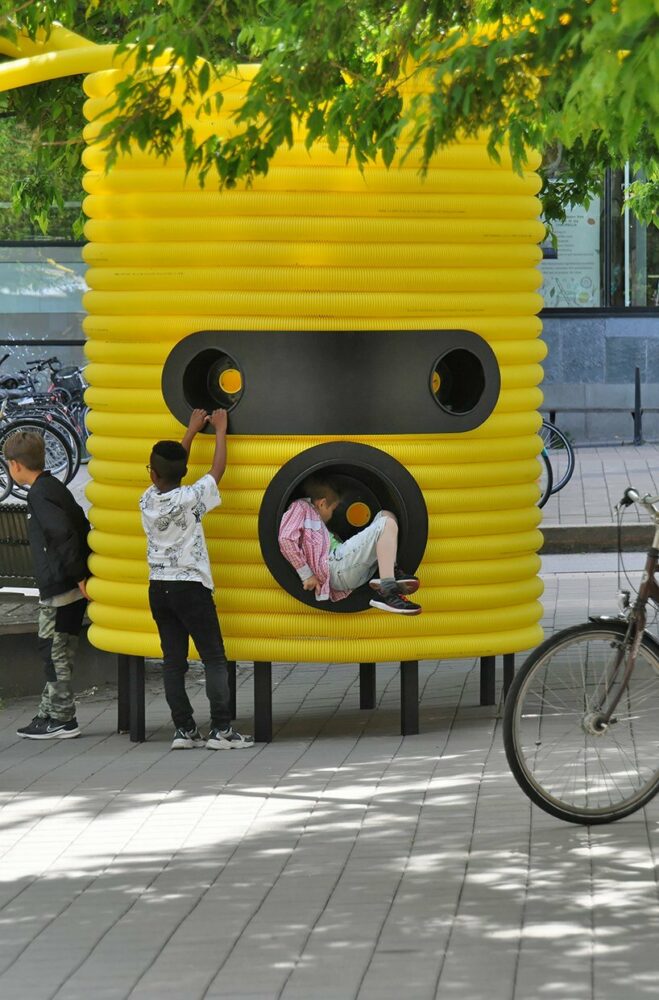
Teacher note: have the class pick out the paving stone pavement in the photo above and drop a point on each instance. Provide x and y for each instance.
(341, 861)
(601, 475)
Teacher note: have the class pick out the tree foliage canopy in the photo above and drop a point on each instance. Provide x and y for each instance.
(578, 79)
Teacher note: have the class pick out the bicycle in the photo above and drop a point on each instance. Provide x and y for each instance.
(59, 458)
(61, 406)
(5, 481)
(580, 719)
(560, 452)
(62, 399)
(546, 479)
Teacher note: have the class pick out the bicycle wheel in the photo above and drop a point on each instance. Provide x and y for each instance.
(5, 480)
(554, 749)
(546, 480)
(55, 415)
(59, 460)
(560, 453)
(66, 427)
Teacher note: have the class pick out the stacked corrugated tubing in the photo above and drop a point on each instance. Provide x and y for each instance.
(315, 245)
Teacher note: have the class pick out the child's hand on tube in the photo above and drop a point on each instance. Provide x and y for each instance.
(218, 419)
(198, 419)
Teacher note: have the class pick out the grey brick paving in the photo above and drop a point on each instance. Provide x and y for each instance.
(341, 862)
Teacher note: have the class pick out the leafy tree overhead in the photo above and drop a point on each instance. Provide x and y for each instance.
(578, 79)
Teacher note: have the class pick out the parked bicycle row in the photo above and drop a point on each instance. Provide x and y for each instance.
(47, 397)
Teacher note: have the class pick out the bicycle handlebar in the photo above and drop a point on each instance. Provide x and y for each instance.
(631, 496)
(52, 363)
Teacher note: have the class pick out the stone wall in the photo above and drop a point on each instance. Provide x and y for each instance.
(591, 364)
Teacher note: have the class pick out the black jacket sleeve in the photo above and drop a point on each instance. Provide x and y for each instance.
(64, 527)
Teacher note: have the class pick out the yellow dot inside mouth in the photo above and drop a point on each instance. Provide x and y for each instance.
(436, 382)
(231, 381)
(358, 514)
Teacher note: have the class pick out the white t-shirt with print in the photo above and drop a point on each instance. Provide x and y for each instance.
(176, 547)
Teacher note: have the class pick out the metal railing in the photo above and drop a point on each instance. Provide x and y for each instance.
(636, 413)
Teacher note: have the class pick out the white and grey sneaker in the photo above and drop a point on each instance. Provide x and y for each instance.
(188, 739)
(228, 739)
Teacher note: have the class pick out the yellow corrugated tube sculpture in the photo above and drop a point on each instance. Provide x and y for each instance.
(378, 326)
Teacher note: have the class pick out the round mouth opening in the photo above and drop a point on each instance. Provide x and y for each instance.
(368, 481)
(212, 379)
(457, 381)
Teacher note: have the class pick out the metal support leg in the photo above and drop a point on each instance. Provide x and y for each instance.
(508, 671)
(123, 702)
(136, 698)
(488, 664)
(231, 677)
(409, 697)
(367, 685)
(262, 702)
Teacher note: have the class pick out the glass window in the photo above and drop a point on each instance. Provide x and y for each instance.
(604, 256)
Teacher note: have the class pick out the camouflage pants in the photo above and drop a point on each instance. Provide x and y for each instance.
(59, 629)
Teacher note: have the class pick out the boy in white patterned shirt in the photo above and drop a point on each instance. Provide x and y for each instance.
(181, 585)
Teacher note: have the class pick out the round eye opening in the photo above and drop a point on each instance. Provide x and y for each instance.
(212, 379)
(457, 381)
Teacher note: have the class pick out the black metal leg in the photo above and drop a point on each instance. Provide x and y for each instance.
(136, 698)
(508, 671)
(488, 664)
(409, 697)
(367, 685)
(263, 702)
(231, 677)
(123, 695)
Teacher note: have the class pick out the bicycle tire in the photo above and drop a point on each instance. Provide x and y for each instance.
(64, 424)
(556, 757)
(5, 480)
(546, 480)
(59, 460)
(560, 453)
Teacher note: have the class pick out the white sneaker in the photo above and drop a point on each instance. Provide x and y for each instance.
(185, 739)
(228, 739)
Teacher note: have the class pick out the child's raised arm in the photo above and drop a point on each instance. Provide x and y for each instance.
(218, 419)
(198, 419)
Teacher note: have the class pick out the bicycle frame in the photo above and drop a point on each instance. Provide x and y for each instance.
(648, 590)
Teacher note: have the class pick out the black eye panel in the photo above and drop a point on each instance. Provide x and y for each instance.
(335, 382)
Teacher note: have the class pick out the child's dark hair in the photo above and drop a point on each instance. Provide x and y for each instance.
(28, 448)
(318, 487)
(169, 460)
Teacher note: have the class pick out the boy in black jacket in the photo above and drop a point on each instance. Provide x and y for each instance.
(57, 530)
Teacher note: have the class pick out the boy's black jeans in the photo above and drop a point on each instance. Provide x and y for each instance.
(180, 610)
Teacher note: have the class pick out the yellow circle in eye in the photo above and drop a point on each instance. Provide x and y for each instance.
(231, 381)
(358, 514)
(436, 382)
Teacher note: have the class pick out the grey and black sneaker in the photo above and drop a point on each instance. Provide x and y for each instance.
(49, 729)
(228, 739)
(391, 600)
(188, 739)
(406, 583)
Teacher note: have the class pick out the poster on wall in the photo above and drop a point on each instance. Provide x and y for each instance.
(571, 271)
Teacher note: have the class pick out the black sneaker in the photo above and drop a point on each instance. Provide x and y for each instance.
(49, 729)
(391, 600)
(406, 583)
(228, 739)
(188, 739)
